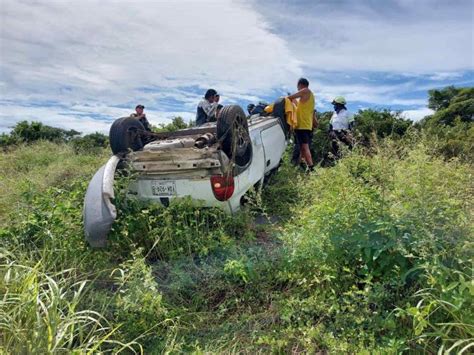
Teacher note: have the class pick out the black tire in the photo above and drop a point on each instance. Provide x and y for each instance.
(125, 134)
(233, 133)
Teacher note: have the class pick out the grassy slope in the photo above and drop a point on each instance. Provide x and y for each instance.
(29, 170)
(376, 259)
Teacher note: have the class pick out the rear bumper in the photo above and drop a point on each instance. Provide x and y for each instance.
(198, 190)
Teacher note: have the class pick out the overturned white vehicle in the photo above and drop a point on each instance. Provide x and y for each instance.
(215, 164)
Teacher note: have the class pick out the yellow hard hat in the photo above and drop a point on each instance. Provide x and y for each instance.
(339, 100)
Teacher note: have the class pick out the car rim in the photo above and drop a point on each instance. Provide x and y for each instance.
(241, 133)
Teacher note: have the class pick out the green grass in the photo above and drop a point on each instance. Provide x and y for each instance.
(31, 169)
(371, 255)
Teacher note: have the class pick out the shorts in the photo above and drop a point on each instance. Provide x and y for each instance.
(303, 136)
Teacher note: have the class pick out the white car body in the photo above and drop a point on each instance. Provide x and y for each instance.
(168, 169)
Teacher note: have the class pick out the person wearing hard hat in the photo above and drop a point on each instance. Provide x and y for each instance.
(340, 125)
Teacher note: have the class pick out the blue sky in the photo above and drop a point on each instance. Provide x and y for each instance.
(81, 64)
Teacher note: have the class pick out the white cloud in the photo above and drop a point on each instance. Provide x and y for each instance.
(112, 47)
(82, 118)
(73, 63)
(390, 35)
(445, 76)
(417, 114)
(376, 93)
(103, 53)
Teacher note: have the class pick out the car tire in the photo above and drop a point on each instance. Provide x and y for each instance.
(125, 134)
(233, 134)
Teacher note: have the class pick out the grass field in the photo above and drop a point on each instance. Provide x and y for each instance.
(371, 255)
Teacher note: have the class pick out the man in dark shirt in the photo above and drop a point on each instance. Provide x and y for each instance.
(138, 114)
(207, 108)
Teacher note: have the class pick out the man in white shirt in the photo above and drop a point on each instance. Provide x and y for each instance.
(340, 126)
(207, 108)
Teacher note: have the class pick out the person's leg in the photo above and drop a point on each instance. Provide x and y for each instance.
(347, 139)
(337, 144)
(295, 157)
(306, 154)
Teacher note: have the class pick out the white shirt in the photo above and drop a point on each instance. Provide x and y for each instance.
(208, 107)
(341, 120)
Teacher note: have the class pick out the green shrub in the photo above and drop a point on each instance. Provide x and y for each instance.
(175, 124)
(371, 125)
(451, 104)
(381, 124)
(7, 140)
(138, 304)
(361, 245)
(93, 143)
(35, 131)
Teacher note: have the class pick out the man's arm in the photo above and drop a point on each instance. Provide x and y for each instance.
(145, 122)
(315, 121)
(303, 94)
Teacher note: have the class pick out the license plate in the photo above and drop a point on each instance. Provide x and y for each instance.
(163, 188)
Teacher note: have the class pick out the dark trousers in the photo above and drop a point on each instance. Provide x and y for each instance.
(295, 156)
(338, 137)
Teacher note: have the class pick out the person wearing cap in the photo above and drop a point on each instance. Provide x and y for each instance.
(304, 120)
(340, 125)
(138, 114)
(208, 107)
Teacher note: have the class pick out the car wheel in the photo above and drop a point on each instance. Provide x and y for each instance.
(233, 133)
(125, 134)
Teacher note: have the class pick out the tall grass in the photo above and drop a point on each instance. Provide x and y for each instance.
(373, 254)
(385, 243)
(41, 313)
(30, 169)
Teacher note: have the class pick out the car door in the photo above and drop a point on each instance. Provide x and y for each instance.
(274, 145)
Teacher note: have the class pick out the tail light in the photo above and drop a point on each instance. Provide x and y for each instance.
(222, 186)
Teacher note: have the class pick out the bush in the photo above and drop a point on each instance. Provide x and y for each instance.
(176, 124)
(455, 141)
(7, 140)
(178, 230)
(34, 131)
(450, 104)
(93, 143)
(374, 230)
(381, 124)
(371, 125)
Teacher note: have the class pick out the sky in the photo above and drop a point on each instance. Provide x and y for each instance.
(81, 64)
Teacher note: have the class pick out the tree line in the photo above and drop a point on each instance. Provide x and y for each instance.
(450, 124)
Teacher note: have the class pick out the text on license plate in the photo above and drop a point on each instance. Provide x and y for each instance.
(163, 188)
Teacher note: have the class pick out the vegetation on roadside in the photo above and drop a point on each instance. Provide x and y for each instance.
(372, 254)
